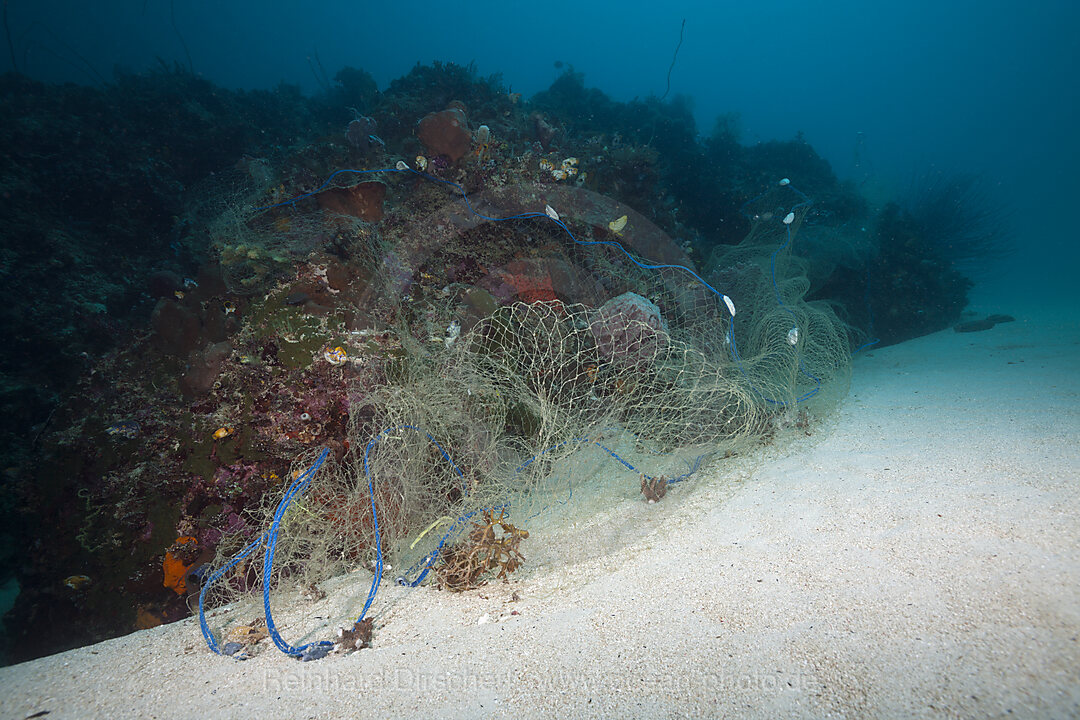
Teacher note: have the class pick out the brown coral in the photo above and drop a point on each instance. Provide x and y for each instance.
(358, 638)
(653, 488)
(446, 132)
(492, 544)
(530, 280)
(629, 330)
(364, 200)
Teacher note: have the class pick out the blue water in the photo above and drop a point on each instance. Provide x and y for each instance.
(966, 85)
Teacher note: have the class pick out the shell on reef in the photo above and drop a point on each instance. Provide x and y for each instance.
(730, 305)
(452, 333)
(335, 356)
(128, 429)
(77, 582)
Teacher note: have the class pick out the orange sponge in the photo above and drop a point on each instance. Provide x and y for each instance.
(177, 563)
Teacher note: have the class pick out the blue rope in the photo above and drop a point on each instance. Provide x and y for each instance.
(297, 488)
(211, 641)
(375, 581)
(270, 539)
(300, 485)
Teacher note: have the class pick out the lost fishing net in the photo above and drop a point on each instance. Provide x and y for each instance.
(488, 433)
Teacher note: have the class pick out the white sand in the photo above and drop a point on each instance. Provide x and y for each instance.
(918, 555)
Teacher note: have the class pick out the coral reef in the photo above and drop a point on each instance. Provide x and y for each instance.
(959, 217)
(184, 344)
(905, 289)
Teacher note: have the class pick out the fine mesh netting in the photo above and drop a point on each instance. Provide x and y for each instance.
(255, 247)
(479, 435)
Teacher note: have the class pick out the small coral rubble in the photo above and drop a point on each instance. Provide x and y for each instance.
(654, 488)
(356, 638)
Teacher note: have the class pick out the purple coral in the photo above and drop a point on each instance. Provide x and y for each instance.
(235, 479)
(629, 330)
(361, 133)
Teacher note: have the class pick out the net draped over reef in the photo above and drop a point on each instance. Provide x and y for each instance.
(638, 359)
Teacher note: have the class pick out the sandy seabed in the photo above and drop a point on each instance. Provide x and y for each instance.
(917, 555)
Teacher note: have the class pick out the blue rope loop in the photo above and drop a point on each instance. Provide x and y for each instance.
(269, 538)
(805, 203)
(421, 568)
(530, 215)
(375, 581)
(296, 489)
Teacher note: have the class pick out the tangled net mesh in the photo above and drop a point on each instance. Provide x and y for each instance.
(255, 247)
(505, 423)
